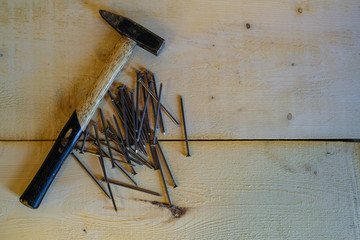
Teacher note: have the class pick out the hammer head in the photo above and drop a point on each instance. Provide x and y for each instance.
(142, 36)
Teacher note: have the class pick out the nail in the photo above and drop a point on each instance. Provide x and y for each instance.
(124, 116)
(103, 166)
(162, 106)
(154, 156)
(122, 141)
(149, 85)
(166, 164)
(144, 113)
(140, 158)
(117, 109)
(147, 126)
(85, 137)
(115, 137)
(129, 105)
(102, 150)
(164, 182)
(161, 118)
(184, 124)
(157, 114)
(98, 155)
(137, 114)
(141, 145)
(90, 173)
(125, 173)
(134, 119)
(133, 187)
(106, 137)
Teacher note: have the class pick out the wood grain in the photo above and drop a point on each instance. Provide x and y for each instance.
(231, 190)
(293, 74)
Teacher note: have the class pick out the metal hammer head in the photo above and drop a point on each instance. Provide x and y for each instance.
(142, 36)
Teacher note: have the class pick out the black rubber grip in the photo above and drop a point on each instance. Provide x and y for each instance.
(64, 144)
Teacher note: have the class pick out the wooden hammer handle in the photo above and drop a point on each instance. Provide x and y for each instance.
(121, 53)
(73, 129)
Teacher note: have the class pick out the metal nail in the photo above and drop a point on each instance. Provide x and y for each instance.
(124, 116)
(154, 156)
(85, 137)
(103, 166)
(144, 113)
(163, 180)
(162, 126)
(122, 141)
(137, 114)
(90, 174)
(157, 114)
(166, 164)
(134, 119)
(162, 106)
(184, 124)
(106, 137)
(140, 158)
(98, 155)
(125, 173)
(147, 125)
(133, 187)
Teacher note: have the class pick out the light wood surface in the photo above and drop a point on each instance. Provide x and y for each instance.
(231, 190)
(293, 74)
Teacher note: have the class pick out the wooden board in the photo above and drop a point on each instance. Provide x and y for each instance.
(293, 74)
(231, 190)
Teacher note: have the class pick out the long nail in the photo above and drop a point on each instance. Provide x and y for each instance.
(157, 114)
(98, 155)
(162, 126)
(137, 114)
(129, 105)
(144, 113)
(125, 173)
(142, 160)
(115, 137)
(162, 106)
(133, 187)
(184, 123)
(118, 111)
(85, 137)
(147, 125)
(154, 156)
(106, 137)
(123, 147)
(134, 119)
(164, 182)
(124, 116)
(166, 164)
(103, 166)
(122, 141)
(90, 174)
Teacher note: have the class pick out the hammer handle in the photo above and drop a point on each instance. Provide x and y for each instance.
(77, 123)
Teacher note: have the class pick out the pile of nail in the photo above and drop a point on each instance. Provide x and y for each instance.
(130, 135)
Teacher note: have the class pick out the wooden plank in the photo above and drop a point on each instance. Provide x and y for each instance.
(293, 74)
(231, 190)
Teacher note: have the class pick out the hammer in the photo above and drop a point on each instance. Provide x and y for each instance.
(70, 134)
